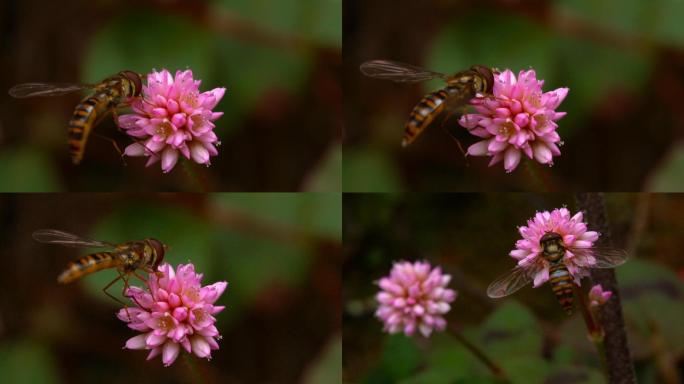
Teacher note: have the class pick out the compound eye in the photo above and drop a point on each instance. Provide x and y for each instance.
(135, 79)
(159, 250)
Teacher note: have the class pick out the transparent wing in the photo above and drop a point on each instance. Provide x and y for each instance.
(606, 257)
(510, 282)
(45, 89)
(399, 72)
(54, 236)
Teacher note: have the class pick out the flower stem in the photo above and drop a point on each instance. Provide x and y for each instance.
(594, 329)
(496, 370)
(194, 176)
(536, 177)
(195, 373)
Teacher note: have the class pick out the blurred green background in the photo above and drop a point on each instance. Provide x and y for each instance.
(528, 334)
(280, 61)
(279, 253)
(623, 61)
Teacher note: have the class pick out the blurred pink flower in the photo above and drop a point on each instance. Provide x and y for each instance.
(575, 235)
(176, 312)
(173, 117)
(520, 118)
(414, 296)
(597, 296)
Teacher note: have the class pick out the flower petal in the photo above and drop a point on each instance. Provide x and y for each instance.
(170, 353)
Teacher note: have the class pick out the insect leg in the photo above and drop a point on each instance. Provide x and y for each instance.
(458, 142)
(142, 278)
(114, 143)
(109, 285)
(158, 273)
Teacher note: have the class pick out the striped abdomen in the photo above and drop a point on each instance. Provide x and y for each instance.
(561, 283)
(423, 114)
(82, 121)
(87, 265)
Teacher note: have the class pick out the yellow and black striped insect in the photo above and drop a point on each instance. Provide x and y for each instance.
(127, 257)
(553, 251)
(111, 93)
(461, 88)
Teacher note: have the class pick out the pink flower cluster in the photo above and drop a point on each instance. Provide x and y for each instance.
(176, 312)
(575, 235)
(173, 117)
(414, 297)
(519, 119)
(597, 296)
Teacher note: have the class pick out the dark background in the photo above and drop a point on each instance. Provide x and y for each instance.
(280, 61)
(279, 253)
(622, 60)
(470, 236)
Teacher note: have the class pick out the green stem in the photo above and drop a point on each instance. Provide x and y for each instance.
(480, 355)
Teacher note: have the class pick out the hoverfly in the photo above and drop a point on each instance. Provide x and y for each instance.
(127, 257)
(553, 251)
(111, 93)
(461, 88)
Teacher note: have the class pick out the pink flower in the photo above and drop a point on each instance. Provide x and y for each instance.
(414, 296)
(518, 119)
(172, 117)
(597, 296)
(176, 312)
(577, 240)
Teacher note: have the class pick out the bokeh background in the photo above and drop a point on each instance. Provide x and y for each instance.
(623, 61)
(280, 61)
(280, 253)
(528, 334)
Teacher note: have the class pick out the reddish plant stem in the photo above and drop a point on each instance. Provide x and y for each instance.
(593, 327)
(618, 357)
(496, 370)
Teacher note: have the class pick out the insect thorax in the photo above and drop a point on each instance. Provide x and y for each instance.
(552, 246)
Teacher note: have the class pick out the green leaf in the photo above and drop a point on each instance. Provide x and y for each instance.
(27, 170)
(327, 367)
(449, 360)
(667, 22)
(368, 171)
(311, 19)
(440, 376)
(311, 213)
(253, 265)
(669, 176)
(511, 330)
(144, 40)
(327, 176)
(400, 356)
(249, 72)
(656, 20)
(591, 80)
(653, 300)
(471, 39)
(626, 17)
(27, 362)
(574, 374)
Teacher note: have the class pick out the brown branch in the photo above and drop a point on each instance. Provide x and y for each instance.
(226, 23)
(618, 357)
(244, 222)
